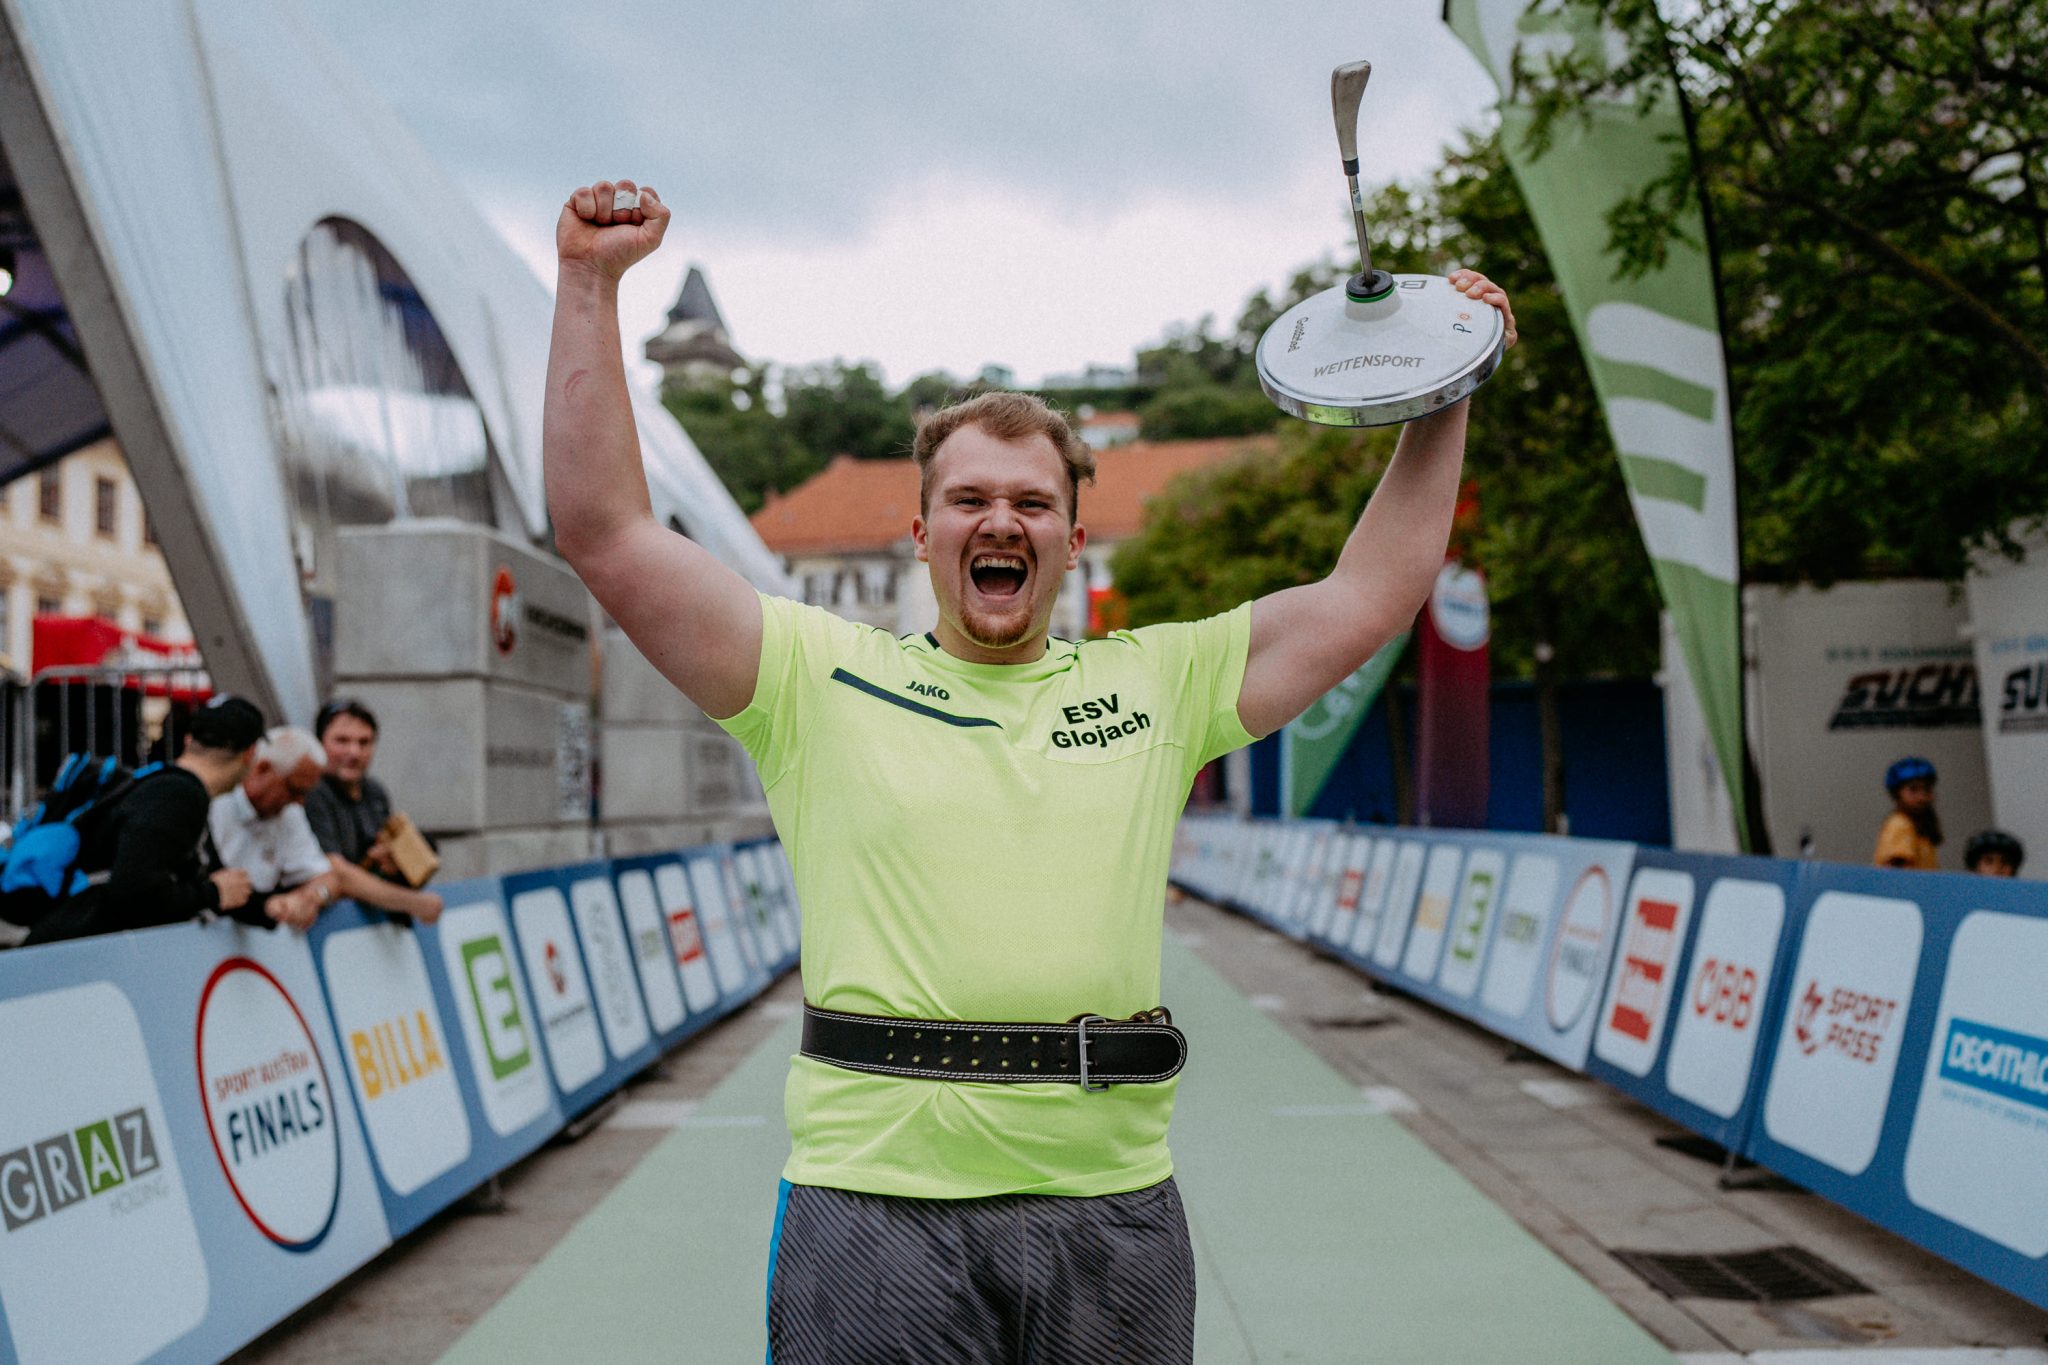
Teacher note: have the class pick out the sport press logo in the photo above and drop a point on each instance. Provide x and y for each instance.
(66, 1169)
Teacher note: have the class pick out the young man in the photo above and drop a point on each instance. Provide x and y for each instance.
(1912, 832)
(1994, 853)
(980, 819)
(348, 810)
(146, 861)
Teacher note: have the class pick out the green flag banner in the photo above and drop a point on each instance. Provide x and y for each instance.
(1651, 342)
(1312, 744)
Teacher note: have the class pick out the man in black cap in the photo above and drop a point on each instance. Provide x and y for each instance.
(147, 859)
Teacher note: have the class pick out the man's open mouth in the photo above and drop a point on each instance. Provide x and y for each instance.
(998, 576)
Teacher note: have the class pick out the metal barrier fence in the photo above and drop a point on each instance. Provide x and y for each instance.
(134, 714)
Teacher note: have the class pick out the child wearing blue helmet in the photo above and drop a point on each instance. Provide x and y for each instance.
(1912, 832)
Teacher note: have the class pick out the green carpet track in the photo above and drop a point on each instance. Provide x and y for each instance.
(1324, 1233)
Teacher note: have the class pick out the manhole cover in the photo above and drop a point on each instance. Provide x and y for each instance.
(1772, 1275)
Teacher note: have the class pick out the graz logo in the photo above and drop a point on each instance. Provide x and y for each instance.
(2024, 707)
(1108, 732)
(505, 611)
(929, 690)
(65, 1169)
(1370, 362)
(269, 1107)
(1930, 696)
(1845, 1021)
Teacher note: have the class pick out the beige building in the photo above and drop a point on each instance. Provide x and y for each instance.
(76, 541)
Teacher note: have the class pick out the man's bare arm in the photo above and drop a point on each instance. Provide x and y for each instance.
(694, 618)
(1306, 640)
(361, 884)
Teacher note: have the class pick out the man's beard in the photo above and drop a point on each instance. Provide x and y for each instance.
(992, 631)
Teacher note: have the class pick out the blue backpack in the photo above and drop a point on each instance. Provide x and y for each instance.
(38, 870)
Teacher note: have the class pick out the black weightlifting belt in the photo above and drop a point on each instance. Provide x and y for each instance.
(1089, 1050)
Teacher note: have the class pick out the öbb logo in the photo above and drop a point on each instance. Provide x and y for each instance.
(1725, 993)
(68, 1168)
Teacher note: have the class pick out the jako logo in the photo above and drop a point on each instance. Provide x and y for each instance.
(1931, 696)
(489, 970)
(929, 690)
(1850, 1022)
(2012, 1066)
(2025, 705)
(395, 1053)
(1725, 993)
(66, 1168)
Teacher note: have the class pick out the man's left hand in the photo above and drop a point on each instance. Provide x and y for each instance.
(293, 909)
(1474, 285)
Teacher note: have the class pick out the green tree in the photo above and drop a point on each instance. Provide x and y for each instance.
(741, 439)
(842, 409)
(1877, 174)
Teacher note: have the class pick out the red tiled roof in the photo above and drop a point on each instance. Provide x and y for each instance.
(866, 505)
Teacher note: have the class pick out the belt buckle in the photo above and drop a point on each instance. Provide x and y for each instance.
(1081, 1023)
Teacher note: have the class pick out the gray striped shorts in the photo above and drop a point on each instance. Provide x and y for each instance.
(1021, 1279)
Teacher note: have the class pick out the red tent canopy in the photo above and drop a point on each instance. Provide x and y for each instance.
(93, 642)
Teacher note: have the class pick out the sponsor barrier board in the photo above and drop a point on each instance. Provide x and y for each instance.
(223, 1121)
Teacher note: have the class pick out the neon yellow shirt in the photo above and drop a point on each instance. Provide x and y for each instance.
(982, 841)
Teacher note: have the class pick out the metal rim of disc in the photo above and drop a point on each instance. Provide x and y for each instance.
(1392, 409)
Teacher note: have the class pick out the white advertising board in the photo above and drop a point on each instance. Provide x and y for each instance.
(396, 1059)
(596, 908)
(99, 1255)
(1432, 912)
(730, 959)
(1838, 1047)
(2009, 617)
(548, 947)
(1372, 894)
(685, 934)
(1348, 888)
(1653, 924)
(497, 1016)
(1479, 893)
(1407, 880)
(1713, 1045)
(1517, 958)
(1979, 1141)
(651, 957)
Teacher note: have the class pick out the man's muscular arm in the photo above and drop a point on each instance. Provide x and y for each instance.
(1306, 640)
(694, 618)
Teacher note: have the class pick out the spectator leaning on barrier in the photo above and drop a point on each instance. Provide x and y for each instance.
(146, 861)
(1994, 853)
(1912, 832)
(349, 810)
(260, 826)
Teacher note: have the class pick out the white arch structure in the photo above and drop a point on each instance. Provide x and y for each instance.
(172, 156)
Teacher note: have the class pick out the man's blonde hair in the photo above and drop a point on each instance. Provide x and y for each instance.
(1007, 417)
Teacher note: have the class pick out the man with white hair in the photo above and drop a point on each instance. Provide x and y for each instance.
(261, 827)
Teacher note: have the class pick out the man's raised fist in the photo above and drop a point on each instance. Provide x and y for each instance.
(609, 226)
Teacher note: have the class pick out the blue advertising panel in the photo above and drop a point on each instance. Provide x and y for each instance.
(1693, 983)
(579, 970)
(177, 1135)
(1908, 1077)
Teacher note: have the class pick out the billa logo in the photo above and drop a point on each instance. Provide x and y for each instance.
(268, 1105)
(2024, 707)
(1725, 993)
(488, 970)
(394, 1053)
(1646, 956)
(682, 931)
(66, 1169)
(1928, 697)
(505, 611)
(1849, 1022)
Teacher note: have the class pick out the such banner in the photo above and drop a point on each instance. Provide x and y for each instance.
(1652, 341)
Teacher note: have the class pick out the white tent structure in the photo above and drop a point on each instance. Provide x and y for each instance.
(288, 314)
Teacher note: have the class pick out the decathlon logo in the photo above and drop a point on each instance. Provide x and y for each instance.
(2012, 1066)
(1931, 696)
(66, 1169)
(268, 1105)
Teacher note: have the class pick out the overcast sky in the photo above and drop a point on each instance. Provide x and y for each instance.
(931, 186)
